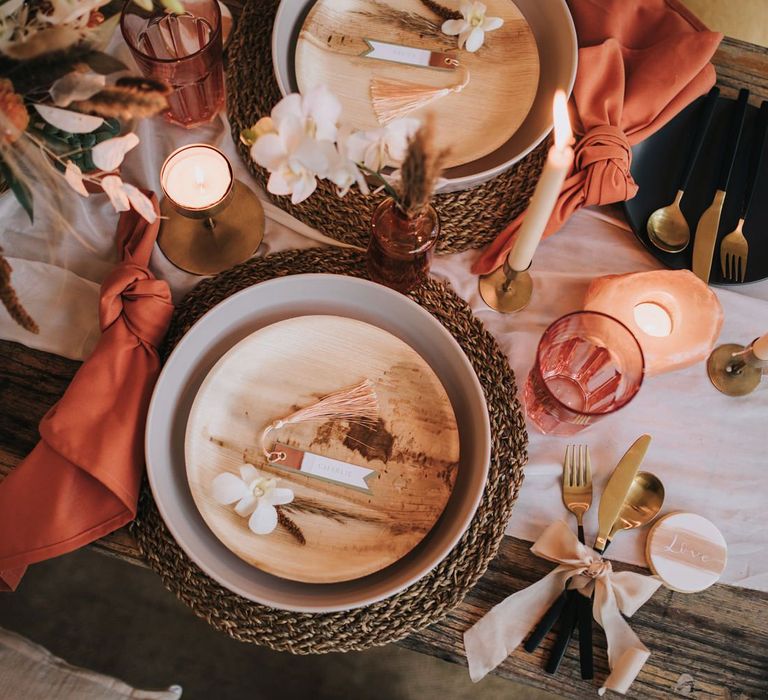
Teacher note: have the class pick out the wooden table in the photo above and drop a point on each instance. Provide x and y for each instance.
(718, 638)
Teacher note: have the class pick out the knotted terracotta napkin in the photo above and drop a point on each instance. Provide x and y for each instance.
(496, 635)
(82, 479)
(640, 64)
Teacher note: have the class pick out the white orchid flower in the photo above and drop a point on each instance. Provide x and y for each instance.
(256, 496)
(343, 171)
(293, 158)
(472, 27)
(384, 147)
(318, 111)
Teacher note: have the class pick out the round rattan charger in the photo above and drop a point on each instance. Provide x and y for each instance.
(470, 218)
(425, 601)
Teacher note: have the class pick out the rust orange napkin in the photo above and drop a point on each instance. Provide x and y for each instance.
(82, 479)
(640, 63)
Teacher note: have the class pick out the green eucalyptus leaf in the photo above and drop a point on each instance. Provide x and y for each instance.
(19, 189)
(103, 63)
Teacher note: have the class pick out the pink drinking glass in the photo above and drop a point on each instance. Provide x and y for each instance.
(184, 51)
(588, 365)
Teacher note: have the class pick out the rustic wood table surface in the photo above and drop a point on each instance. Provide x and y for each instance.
(718, 638)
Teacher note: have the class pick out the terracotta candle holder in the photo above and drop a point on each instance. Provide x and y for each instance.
(675, 317)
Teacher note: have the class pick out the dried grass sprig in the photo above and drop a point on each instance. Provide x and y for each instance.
(420, 171)
(409, 21)
(128, 98)
(441, 10)
(290, 525)
(11, 301)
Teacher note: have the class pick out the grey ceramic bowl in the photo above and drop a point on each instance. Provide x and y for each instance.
(241, 315)
(552, 26)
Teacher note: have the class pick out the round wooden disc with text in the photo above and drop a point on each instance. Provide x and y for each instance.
(503, 75)
(336, 531)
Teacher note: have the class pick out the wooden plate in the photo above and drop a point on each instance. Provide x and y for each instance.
(414, 450)
(504, 73)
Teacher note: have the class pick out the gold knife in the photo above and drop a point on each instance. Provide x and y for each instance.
(617, 488)
(709, 223)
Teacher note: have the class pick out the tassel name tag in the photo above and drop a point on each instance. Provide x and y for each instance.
(410, 56)
(319, 467)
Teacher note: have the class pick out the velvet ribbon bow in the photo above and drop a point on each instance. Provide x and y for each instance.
(82, 479)
(640, 64)
(496, 635)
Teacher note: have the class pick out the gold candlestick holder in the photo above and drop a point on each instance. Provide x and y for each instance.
(209, 240)
(734, 369)
(506, 290)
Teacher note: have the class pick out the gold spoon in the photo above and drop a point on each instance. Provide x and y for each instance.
(667, 228)
(642, 504)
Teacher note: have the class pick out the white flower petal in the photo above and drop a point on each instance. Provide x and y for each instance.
(74, 177)
(263, 520)
(314, 155)
(277, 184)
(67, 120)
(466, 8)
(141, 203)
(324, 109)
(246, 505)
(109, 154)
(452, 27)
(279, 497)
(303, 188)
(76, 86)
(248, 473)
(479, 8)
(113, 187)
(268, 152)
(491, 23)
(291, 133)
(226, 488)
(289, 106)
(475, 39)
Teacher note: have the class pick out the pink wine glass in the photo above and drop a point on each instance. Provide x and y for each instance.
(588, 365)
(184, 51)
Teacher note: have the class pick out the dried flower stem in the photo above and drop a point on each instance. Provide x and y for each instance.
(289, 524)
(11, 301)
(441, 11)
(420, 171)
(410, 21)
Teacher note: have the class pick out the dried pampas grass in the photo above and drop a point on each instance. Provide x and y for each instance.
(441, 11)
(420, 172)
(11, 302)
(128, 98)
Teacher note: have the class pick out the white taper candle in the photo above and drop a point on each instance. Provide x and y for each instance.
(559, 160)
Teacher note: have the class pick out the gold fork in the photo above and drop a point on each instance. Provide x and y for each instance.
(577, 497)
(577, 483)
(734, 250)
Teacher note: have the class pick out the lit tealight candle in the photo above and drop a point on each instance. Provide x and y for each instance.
(653, 319)
(559, 160)
(196, 177)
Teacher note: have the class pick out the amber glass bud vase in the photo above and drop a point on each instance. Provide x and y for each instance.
(400, 249)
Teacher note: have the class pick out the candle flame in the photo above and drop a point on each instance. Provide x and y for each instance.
(563, 133)
(200, 177)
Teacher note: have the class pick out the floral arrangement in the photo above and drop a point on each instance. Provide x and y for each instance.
(303, 141)
(60, 101)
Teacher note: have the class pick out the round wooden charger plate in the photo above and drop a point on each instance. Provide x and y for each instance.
(414, 449)
(504, 72)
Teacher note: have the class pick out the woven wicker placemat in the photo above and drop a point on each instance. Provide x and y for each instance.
(470, 219)
(427, 600)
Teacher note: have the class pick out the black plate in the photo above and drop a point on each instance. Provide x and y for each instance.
(658, 164)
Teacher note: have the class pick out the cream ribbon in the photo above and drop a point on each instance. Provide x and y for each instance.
(496, 635)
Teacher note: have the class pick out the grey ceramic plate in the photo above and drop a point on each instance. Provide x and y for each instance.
(552, 26)
(264, 304)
